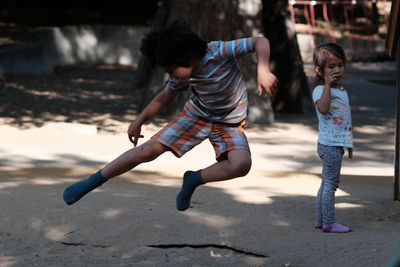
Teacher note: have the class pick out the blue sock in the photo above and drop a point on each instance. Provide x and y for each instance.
(77, 190)
(191, 180)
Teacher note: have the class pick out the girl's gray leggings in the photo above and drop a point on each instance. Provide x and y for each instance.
(331, 164)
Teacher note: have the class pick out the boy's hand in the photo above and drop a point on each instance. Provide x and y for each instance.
(134, 132)
(267, 81)
(350, 150)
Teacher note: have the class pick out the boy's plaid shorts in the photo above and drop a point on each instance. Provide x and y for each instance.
(185, 132)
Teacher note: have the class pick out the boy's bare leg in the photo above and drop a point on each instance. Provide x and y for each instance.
(237, 164)
(128, 160)
(133, 157)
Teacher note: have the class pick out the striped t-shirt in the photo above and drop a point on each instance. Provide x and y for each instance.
(219, 90)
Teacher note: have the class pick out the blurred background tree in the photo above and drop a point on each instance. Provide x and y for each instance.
(293, 95)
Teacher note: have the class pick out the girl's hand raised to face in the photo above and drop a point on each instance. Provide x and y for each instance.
(331, 77)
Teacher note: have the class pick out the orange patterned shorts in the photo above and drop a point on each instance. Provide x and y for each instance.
(185, 132)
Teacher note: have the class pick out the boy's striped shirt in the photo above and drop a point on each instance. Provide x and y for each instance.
(219, 90)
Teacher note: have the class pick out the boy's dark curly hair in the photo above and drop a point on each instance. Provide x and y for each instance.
(174, 45)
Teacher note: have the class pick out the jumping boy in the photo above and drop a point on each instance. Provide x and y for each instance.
(216, 110)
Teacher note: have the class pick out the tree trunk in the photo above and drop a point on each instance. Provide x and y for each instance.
(144, 75)
(293, 94)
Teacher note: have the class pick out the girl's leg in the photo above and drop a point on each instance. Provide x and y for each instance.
(332, 161)
(128, 160)
(331, 164)
(318, 221)
(236, 164)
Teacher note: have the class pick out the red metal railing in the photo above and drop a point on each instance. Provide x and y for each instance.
(328, 14)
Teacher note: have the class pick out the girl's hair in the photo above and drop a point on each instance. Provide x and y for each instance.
(174, 45)
(320, 54)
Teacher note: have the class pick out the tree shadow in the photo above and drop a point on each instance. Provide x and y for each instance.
(99, 95)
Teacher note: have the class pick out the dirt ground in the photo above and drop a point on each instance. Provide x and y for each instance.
(264, 219)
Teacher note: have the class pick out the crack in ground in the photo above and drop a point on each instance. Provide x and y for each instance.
(81, 244)
(237, 250)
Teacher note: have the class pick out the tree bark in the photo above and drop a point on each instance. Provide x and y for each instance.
(293, 94)
(144, 74)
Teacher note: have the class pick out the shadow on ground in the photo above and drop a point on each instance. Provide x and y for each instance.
(265, 218)
(98, 95)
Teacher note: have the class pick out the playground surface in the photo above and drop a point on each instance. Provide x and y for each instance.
(263, 219)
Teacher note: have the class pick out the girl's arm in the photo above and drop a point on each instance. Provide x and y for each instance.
(265, 80)
(350, 150)
(324, 103)
(161, 100)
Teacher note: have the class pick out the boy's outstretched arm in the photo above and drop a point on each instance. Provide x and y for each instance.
(161, 100)
(266, 80)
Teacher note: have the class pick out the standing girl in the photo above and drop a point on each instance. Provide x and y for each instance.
(335, 130)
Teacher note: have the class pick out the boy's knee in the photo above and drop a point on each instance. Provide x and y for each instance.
(242, 167)
(149, 151)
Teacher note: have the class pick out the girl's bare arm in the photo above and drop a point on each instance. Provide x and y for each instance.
(324, 103)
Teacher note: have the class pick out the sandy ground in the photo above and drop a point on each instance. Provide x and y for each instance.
(264, 219)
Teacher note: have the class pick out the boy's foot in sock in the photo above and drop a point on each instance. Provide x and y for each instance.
(191, 180)
(318, 225)
(77, 190)
(336, 228)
